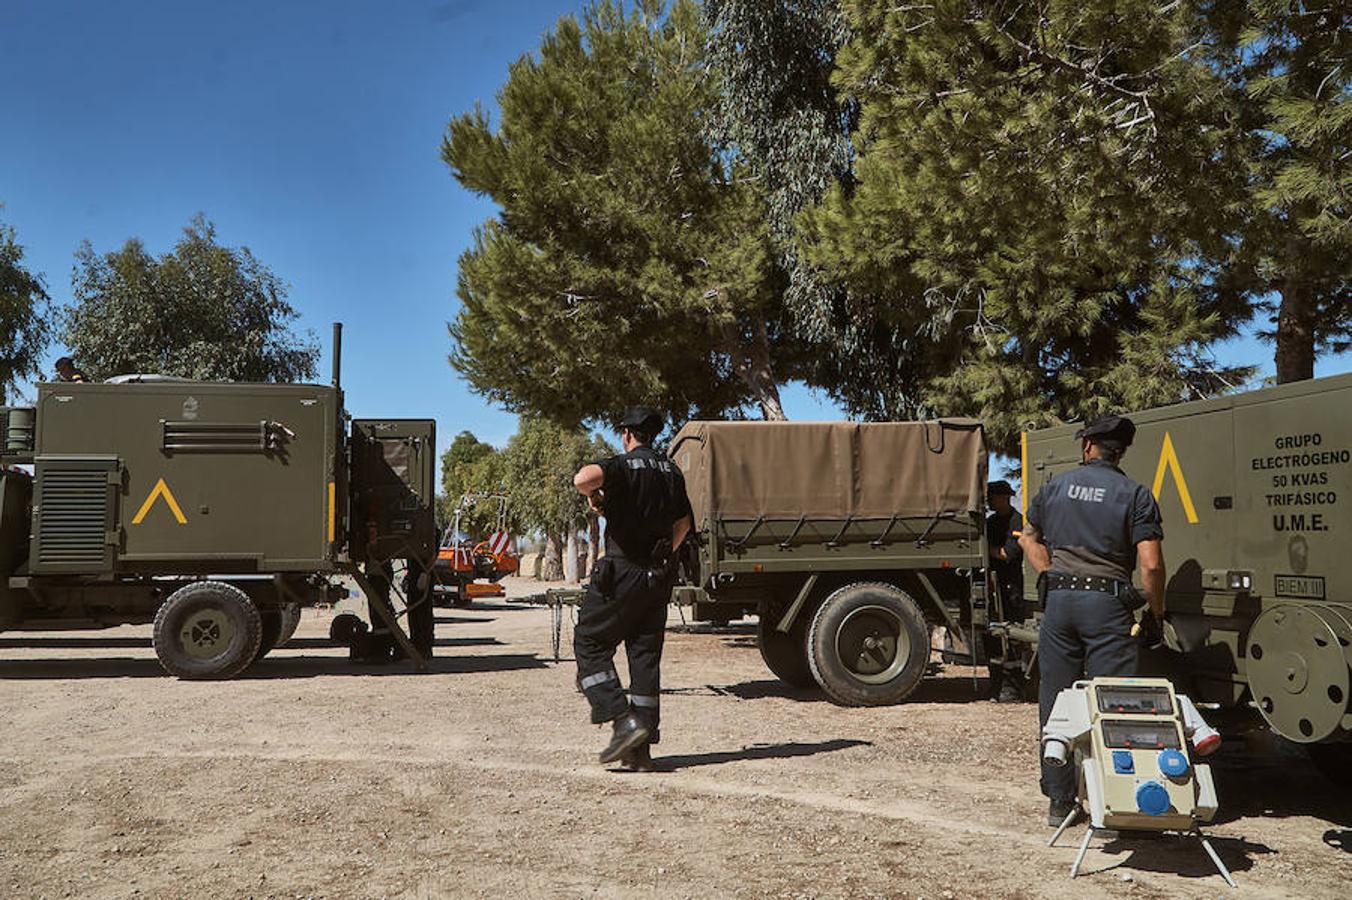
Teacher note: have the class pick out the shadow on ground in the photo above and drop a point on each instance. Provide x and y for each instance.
(757, 751)
(73, 643)
(326, 644)
(144, 643)
(765, 689)
(931, 690)
(736, 634)
(1178, 854)
(271, 668)
(318, 666)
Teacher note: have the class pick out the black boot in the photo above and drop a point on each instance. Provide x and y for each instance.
(628, 733)
(639, 759)
(1057, 811)
(1011, 688)
(996, 681)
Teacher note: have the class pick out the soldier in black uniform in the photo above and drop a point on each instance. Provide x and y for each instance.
(642, 496)
(1003, 527)
(66, 371)
(1086, 531)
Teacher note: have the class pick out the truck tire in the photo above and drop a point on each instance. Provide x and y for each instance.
(868, 645)
(290, 622)
(269, 633)
(785, 654)
(206, 630)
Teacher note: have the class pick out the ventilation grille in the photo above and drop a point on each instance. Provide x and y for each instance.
(72, 526)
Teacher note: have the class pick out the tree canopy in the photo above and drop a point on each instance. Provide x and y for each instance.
(1043, 193)
(535, 469)
(470, 466)
(202, 311)
(1291, 61)
(1021, 210)
(541, 459)
(630, 261)
(24, 331)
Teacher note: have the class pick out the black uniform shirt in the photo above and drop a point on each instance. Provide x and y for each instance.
(645, 496)
(1092, 518)
(1003, 531)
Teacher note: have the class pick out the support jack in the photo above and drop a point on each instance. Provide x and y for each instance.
(1091, 831)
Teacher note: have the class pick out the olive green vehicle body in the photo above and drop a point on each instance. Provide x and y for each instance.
(138, 489)
(787, 564)
(1255, 490)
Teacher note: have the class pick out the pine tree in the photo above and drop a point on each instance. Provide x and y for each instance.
(1294, 63)
(1045, 193)
(629, 261)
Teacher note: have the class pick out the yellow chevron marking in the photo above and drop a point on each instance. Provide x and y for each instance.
(1169, 460)
(160, 490)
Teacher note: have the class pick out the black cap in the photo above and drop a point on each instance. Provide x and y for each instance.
(1111, 430)
(642, 418)
(65, 361)
(1000, 488)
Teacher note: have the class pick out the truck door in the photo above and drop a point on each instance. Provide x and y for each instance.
(393, 489)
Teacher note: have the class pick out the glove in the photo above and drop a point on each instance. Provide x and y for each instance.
(1149, 632)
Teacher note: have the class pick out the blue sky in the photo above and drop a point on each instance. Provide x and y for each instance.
(307, 131)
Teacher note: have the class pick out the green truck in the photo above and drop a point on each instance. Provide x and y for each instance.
(1256, 494)
(851, 542)
(212, 510)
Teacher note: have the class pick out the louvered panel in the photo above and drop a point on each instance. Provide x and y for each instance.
(72, 515)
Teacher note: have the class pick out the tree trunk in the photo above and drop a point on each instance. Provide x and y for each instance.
(570, 557)
(1295, 332)
(752, 365)
(593, 541)
(552, 567)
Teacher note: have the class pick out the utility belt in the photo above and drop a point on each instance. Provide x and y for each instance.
(1059, 581)
(657, 556)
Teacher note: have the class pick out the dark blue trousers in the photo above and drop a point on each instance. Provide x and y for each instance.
(1084, 634)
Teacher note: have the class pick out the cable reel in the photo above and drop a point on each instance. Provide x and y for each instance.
(1300, 670)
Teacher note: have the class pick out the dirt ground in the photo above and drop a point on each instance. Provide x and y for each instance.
(312, 777)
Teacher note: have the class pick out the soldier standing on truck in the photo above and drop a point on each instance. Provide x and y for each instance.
(1085, 532)
(66, 371)
(1004, 525)
(642, 496)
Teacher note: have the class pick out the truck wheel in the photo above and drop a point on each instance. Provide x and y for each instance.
(868, 645)
(270, 633)
(290, 622)
(207, 629)
(1334, 762)
(785, 654)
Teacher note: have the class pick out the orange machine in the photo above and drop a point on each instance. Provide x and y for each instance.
(462, 563)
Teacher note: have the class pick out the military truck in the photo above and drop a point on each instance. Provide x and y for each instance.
(212, 510)
(848, 540)
(1256, 494)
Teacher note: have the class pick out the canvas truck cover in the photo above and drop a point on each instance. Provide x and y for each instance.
(832, 470)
